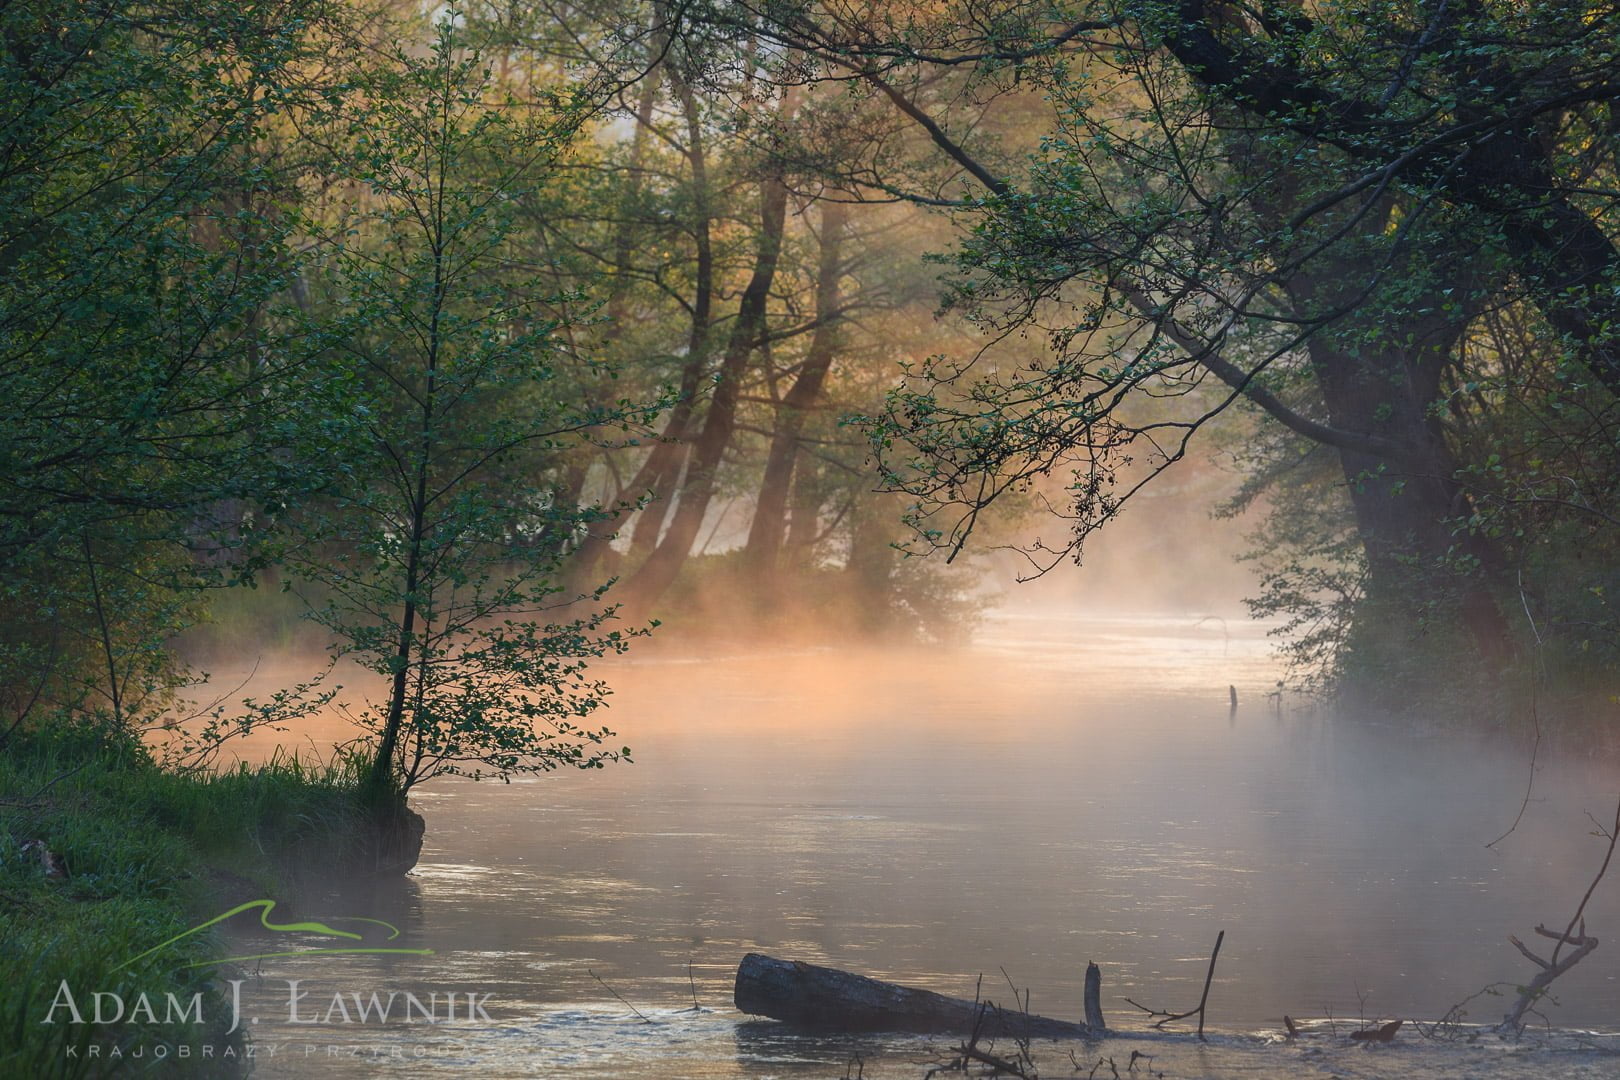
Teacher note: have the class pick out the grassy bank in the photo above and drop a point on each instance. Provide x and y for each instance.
(104, 855)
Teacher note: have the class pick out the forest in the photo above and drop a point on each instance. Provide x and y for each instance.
(483, 340)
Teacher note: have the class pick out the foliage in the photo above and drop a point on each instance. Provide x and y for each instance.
(441, 547)
(152, 405)
(1308, 556)
(1326, 214)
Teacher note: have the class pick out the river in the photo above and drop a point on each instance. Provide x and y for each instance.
(1065, 789)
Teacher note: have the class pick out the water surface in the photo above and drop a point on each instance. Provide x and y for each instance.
(1065, 790)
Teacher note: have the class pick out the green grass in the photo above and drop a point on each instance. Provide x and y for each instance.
(145, 851)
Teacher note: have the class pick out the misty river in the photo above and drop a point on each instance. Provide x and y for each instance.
(1066, 789)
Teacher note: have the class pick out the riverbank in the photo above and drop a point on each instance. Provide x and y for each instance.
(105, 855)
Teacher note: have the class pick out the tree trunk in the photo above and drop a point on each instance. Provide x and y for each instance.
(769, 526)
(659, 473)
(1380, 382)
(659, 476)
(804, 513)
(381, 777)
(658, 572)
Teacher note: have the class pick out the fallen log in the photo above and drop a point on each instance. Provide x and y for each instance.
(1383, 1033)
(827, 999)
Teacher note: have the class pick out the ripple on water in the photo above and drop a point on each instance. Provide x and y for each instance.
(591, 1042)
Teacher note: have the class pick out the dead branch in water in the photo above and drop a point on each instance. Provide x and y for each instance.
(1382, 1034)
(1169, 1017)
(1574, 935)
(1550, 970)
(1021, 1064)
(1093, 997)
(691, 980)
(1530, 783)
(618, 995)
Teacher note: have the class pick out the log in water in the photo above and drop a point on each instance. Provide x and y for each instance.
(827, 999)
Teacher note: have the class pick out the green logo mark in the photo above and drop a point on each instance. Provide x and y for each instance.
(267, 906)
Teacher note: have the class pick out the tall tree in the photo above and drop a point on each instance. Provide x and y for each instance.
(1223, 198)
(720, 421)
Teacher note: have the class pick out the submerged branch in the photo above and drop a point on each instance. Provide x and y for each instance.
(1574, 934)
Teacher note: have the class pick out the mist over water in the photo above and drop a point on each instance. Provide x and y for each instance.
(1063, 790)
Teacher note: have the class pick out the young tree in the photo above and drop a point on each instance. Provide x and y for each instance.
(440, 551)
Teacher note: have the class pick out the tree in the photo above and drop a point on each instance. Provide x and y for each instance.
(719, 423)
(1309, 212)
(151, 406)
(667, 207)
(440, 551)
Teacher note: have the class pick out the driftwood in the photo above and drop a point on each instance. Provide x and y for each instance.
(1583, 943)
(1168, 1017)
(1382, 1034)
(1550, 970)
(827, 999)
(1094, 1016)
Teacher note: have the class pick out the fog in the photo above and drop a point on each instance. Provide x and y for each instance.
(431, 317)
(1068, 783)
(1061, 790)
